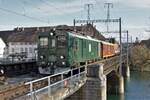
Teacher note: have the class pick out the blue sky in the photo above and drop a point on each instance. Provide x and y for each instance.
(135, 14)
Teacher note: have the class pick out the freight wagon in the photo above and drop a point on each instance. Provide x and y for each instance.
(64, 49)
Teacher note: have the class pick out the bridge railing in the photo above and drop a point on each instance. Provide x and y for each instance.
(57, 86)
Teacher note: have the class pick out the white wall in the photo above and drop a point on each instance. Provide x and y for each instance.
(2, 46)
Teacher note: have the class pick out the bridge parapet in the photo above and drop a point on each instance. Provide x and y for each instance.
(56, 87)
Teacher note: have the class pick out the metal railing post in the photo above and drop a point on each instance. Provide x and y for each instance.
(79, 74)
(49, 87)
(71, 76)
(31, 91)
(86, 65)
(62, 84)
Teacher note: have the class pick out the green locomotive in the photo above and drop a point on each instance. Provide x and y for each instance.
(64, 49)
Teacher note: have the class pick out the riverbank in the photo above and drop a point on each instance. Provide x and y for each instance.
(140, 57)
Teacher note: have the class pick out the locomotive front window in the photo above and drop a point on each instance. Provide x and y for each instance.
(61, 38)
(61, 41)
(53, 43)
(43, 41)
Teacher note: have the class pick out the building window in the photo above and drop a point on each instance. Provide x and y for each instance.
(12, 43)
(44, 42)
(12, 50)
(30, 50)
(26, 50)
(21, 43)
(21, 49)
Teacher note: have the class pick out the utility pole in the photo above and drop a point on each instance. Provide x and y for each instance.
(127, 49)
(131, 42)
(88, 6)
(108, 6)
(127, 66)
(120, 35)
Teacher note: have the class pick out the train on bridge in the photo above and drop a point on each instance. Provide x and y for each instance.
(63, 49)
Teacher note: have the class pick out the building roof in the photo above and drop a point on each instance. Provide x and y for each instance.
(5, 34)
(23, 36)
(29, 34)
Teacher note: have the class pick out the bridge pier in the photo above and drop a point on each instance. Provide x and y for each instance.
(115, 83)
(95, 86)
(121, 85)
(126, 70)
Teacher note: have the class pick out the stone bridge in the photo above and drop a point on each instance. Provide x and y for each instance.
(92, 82)
(104, 77)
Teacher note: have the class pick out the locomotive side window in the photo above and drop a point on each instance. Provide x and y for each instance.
(43, 41)
(90, 49)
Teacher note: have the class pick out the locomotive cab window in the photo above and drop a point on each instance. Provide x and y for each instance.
(43, 41)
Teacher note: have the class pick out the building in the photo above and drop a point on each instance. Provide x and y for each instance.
(3, 41)
(2, 46)
(22, 45)
(146, 42)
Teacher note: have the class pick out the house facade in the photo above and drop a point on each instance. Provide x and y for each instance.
(22, 48)
(22, 45)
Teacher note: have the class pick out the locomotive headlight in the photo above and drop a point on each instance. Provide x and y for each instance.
(41, 57)
(2, 71)
(62, 57)
(51, 34)
(63, 63)
(52, 63)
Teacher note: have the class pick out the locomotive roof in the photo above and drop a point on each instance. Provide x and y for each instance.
(88, 38)
(83, 37)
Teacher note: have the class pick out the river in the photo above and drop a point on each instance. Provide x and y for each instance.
(136, 88)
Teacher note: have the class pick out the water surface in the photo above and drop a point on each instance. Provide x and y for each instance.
(136, 88)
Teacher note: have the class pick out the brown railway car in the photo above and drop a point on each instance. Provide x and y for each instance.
(108, 49)
(116, 48)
